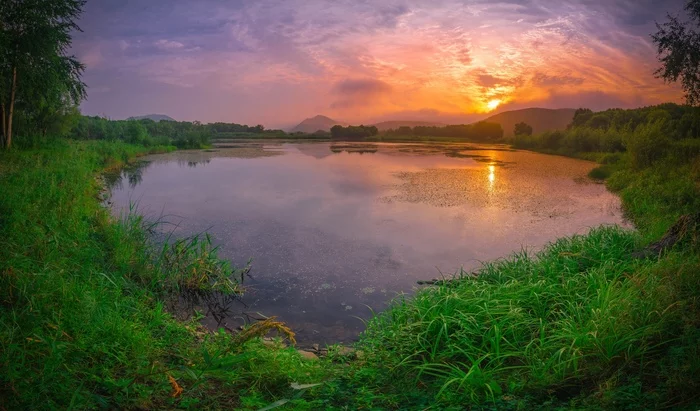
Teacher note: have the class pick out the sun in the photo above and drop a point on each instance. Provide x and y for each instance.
(493, 104)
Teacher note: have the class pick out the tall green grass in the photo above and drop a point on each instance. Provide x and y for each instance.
(579, 325)
(583, 324)
(82, 297)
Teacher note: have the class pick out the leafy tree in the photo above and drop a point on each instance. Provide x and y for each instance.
(486, 131)
(599, 122)
(404, 131)
(523, 129)
(360, 131)
(135, 132)
(35, 36)
(678, 47)
(581, 117)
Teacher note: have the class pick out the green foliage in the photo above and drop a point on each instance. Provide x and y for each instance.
(583, 324)
(648, 134)
(82, 297)
(37, 76)
(647, 144)
(478, 132)
(678, 49)
(600, 173)
(522, 129)
(181, 134)
(354, 132)
(579, 325)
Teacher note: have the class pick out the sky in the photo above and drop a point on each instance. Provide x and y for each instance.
(276, 62)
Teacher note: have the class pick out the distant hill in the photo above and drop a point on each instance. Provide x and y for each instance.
(386, 125)
(154, 117)
(541, 119)
(313, 124)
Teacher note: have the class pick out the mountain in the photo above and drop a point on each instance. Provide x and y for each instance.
(313, 124)
(385, 125)
(154, 117)
(541, 119)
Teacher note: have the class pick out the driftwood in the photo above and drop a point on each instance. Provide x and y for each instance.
(686, 228)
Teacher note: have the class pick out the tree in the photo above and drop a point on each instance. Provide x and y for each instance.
(35, 36)
(581, 117)
(404, 131)
(678, 48)
(357, 132)
(599, 122)
(523, 129)
(135, 132)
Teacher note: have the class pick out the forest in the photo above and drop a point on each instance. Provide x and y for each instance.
(480, 132)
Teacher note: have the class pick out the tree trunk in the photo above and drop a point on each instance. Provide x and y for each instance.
(8, 136)
(4, 124)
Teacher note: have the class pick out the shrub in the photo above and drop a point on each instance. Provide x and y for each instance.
(647, 145)
(600, 173)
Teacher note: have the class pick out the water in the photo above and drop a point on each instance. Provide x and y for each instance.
(337, 229)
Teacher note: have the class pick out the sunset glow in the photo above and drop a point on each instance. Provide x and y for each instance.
(493, 104)
(276, 63)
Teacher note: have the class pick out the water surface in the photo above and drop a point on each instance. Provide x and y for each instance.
(334, 229)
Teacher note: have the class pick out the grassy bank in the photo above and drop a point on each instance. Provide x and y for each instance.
(82, 319)
(583, 324)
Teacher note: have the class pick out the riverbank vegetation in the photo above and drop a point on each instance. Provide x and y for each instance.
(584, 323)
(480, 132)
(82, 300)
(651, 156)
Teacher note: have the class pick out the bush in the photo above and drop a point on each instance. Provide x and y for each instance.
(684, 151)
(647, 144)
(600, 173)
(610, 158)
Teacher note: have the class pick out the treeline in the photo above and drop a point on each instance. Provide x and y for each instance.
(149, 133)
(182, 134)
(478, 132)
(354, 132)
(648, 134)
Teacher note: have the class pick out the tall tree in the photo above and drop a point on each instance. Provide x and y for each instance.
(678, 47)
(35, 36)
(523, 129)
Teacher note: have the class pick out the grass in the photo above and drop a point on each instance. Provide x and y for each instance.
(82, 318)
(580, 325)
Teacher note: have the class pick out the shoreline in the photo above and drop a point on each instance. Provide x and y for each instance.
(90, 280)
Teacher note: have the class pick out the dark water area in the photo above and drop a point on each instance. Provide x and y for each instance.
(337, 230)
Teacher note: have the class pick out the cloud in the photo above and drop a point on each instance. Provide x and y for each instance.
(355, 92)
(168, 45)
(464, 56)
(364, 59)
(541, 79)
(488, 81)
(364, 87)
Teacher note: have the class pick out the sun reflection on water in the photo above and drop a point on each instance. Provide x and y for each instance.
(492, 176)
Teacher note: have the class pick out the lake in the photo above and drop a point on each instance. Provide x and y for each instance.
(336, 230)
